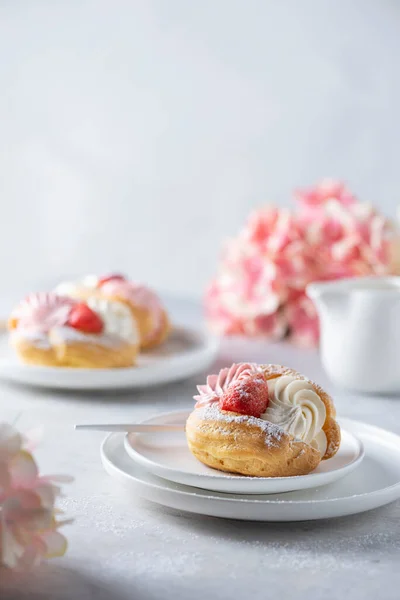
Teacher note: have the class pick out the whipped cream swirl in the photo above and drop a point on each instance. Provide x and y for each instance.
(141, 296)
(117, 318)
(295, 406)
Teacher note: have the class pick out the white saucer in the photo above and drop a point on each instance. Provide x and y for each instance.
(186, 352)
(168, 456)
(375, 482)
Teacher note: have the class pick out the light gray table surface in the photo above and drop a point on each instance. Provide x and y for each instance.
(121, 547)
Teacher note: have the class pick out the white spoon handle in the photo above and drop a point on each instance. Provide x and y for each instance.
(134, 428)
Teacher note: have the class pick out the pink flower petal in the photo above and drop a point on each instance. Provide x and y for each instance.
(10, 441)
(5, 479)
(28, 518)
(23, 470)
(11, 550)
(46, 494)
(331, 235)
(56, 544)
(24, 508)
(303, 321)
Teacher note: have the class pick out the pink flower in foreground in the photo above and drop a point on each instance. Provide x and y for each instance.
(260, 286)
(28, 521)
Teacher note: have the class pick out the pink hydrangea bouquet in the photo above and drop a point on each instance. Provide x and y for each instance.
(260, 286)
(29, 522)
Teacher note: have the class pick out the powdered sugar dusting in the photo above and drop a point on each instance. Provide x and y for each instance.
(242, 386)
(277, 370)
(273, 433)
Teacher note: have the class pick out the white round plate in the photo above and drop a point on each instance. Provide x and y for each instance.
(375, 482)
(185, 353)
(168, 456)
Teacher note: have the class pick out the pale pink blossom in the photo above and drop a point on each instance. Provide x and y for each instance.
(260, 286)
(303, 321)
(29, 522)
(313, 200)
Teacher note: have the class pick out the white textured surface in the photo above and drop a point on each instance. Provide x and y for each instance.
(132, 129)
(122, 550)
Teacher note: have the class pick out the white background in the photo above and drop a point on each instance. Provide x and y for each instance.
(135, 135)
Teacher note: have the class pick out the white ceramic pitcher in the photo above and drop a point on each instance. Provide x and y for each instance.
(360, 332)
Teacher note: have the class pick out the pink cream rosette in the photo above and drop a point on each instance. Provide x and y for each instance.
(217, 384)
(29, 521)
(260, 286)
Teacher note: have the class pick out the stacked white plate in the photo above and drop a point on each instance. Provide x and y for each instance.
(363, 475)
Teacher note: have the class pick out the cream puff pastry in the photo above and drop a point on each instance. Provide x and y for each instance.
(262, 421)
(146, 307)
(51, 330)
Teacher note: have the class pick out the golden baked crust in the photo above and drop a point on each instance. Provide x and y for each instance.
(65, 346)
(331, 426)
(33, 355)
(95, 356)
(246, 445)
(162, 334)
(76, 354)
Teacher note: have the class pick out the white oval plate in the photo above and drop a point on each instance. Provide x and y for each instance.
(168, 456)
(185, 353)
(374, 483)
